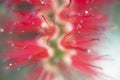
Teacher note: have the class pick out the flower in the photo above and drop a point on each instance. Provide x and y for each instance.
(65, 34)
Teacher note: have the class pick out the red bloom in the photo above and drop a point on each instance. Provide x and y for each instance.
(66, 36)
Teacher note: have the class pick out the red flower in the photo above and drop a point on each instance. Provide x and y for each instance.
(65, 39)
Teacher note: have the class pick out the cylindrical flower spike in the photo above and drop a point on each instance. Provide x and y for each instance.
(67, 32)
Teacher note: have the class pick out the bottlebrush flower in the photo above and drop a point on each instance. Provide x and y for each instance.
(67, 32)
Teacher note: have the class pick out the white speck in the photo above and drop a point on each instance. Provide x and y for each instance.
(86, 12)
(69, 27)
(44, 25)
(88, 51)
(67, 59)
(43, 2)
(10, 64)
(1, 30)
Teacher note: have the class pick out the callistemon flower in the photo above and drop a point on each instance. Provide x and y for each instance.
(58, 37)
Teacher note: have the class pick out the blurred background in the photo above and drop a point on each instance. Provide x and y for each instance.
(111, 46)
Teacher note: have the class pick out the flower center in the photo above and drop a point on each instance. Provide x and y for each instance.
(53, 41)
